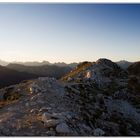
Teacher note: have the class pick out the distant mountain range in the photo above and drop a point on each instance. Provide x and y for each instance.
(36, 63)
(12, 73)
(3, 63)
(124, 64)
(15, 73)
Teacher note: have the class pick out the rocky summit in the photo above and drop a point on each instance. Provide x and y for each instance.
(94, 99)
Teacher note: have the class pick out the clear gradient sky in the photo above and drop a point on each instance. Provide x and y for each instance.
(69, 32)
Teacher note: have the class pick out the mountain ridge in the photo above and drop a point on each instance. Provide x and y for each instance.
(44, 70)
(124, 64)
(100, 99)
(37, 63)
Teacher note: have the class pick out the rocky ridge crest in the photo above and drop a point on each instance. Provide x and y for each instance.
(98, 100)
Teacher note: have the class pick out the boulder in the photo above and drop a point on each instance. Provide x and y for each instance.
(51, 123)
(34, 111)
(62, 128)
(46, 116)
(44, 109)
(34, 88)
(98, 132)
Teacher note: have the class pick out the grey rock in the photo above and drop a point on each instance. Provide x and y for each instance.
(125, 108)
(34, 111)
(34, 97)
(27, 104)
(86, 127)
(33, 103)
(98, 132)
(58, 116)
(50, 133)
(40, 102)
(44, 109)
(69, 116)
(51, 123)
(62, 128)
(52, 105)
(46, 116)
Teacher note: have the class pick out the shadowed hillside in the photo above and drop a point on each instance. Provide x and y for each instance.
(134, 69)
(8, 76)
(45, 70)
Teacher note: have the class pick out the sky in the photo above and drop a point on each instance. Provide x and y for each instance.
(69, 32)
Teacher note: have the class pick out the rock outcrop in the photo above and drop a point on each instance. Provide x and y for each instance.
(97, 100)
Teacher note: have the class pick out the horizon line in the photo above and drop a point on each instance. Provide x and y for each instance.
(40, 61)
